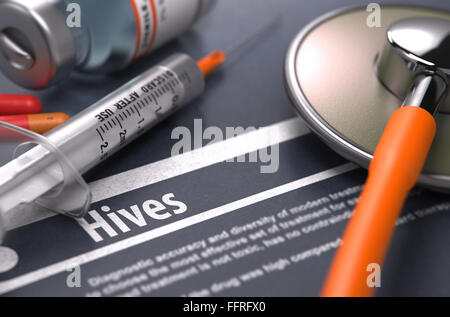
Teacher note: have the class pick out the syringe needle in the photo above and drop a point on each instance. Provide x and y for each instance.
(211, 62)
(253, 36)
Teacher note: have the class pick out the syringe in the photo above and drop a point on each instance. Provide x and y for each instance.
(102, 129)
(50, 172)
(68, 151)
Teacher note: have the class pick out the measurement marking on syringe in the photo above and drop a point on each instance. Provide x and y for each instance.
(137, 110)
(106, 127)
(140, 121)
(156, 100)
(174, 85)
(101, 136)
(120, 124)
(102, 129)
(110, 125)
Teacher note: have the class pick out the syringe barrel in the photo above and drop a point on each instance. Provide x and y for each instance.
(50, 173)
(105, 127)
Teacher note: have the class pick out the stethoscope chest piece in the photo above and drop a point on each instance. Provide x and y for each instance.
(345, 87)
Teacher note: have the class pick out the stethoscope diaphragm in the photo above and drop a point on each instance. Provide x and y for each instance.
(332, 80)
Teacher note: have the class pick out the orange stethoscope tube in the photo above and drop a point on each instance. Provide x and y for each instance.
(393, 171)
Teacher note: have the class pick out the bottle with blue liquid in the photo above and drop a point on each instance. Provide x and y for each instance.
(43, 41)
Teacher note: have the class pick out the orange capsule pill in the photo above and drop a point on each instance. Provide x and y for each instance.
(39, 123)
(19, 104)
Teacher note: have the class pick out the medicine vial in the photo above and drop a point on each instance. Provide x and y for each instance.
(43, 41)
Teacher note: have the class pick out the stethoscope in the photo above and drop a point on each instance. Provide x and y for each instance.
(347, 80)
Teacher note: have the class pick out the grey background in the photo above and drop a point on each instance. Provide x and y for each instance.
(248, 91)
